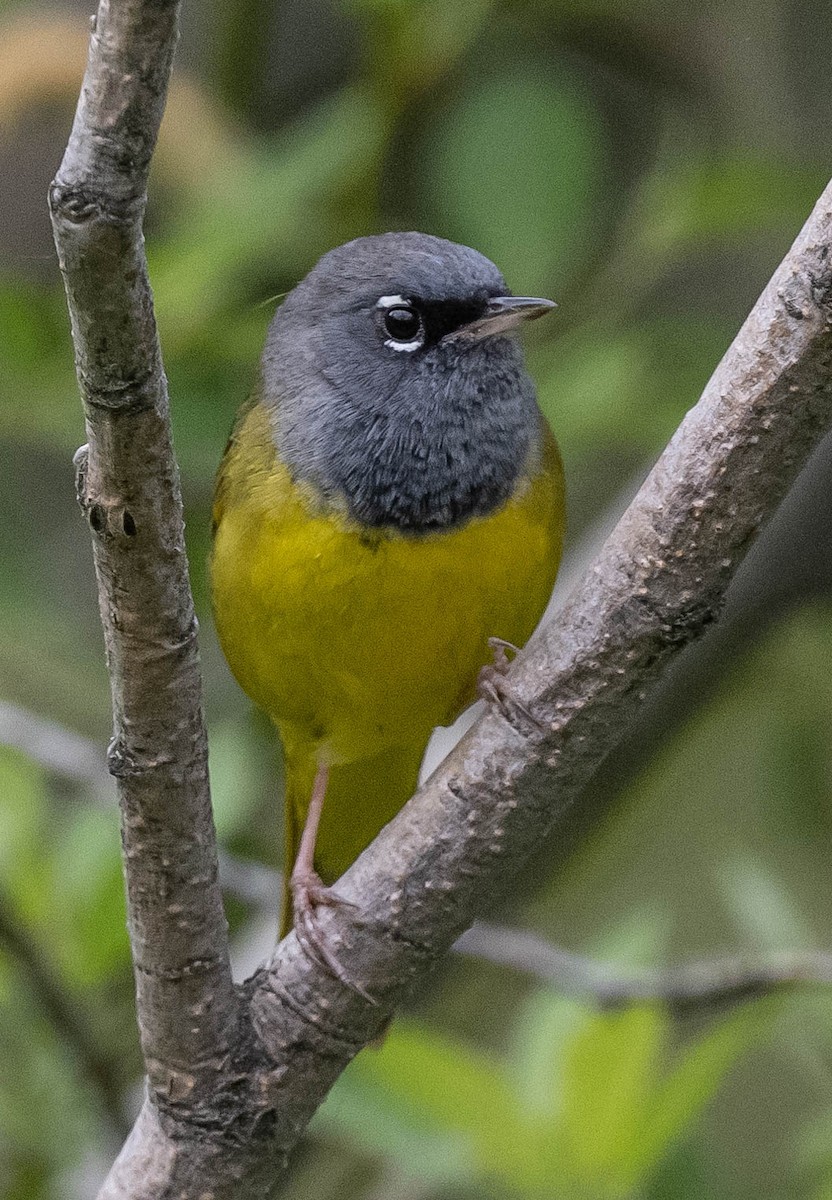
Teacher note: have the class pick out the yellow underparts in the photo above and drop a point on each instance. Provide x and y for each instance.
(357, 643)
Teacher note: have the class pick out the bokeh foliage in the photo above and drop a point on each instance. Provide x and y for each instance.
(646, 165)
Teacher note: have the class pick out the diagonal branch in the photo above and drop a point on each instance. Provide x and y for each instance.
(231, 1086)
(656, 584)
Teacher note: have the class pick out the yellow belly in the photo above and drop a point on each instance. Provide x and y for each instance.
(353, 642)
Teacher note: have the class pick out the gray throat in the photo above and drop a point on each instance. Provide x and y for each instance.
(450, 448)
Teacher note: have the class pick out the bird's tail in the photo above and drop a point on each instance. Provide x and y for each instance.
(361, 797)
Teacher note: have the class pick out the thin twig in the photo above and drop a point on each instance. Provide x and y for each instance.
(690, 988)
(56, 749)
(65, 753)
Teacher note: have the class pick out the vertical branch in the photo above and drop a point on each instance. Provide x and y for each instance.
(128, 488)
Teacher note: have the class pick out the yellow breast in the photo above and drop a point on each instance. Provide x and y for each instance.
(358, 641)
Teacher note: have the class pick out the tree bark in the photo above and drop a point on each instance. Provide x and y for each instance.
(234, 1078)
(128, 488)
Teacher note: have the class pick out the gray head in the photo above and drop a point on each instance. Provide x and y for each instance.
(395, 389)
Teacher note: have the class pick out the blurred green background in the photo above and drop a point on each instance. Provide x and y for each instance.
(646, 164)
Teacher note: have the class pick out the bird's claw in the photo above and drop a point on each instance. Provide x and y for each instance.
(309, 893)
(493, 686)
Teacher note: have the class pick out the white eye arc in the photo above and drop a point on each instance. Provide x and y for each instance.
(403, 322)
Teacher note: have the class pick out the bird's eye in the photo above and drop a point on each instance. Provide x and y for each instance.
(403, 323)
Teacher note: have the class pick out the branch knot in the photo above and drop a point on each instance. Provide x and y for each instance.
(81, 204)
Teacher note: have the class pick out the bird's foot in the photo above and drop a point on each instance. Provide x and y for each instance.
(309, 894)
(493, 687)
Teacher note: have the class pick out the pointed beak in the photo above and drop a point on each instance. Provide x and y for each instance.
(504, 313)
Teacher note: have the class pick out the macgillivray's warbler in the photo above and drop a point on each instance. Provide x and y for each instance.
(390, 498)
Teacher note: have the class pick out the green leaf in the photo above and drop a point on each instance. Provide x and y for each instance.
(424, 37)
(277, 209)
(380, 1122)
(724, 198)
(610, 1071)
(680, 1100)
(546, 1025)
(44, 1114)
(85, 918)
(627, 389)
(21, 829)
(449, 1082)
(453, 1087)
(762, 903)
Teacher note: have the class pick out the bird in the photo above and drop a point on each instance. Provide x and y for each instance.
(389, 507)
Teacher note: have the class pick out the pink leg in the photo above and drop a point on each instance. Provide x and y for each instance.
(309, 893)
(304, 870)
